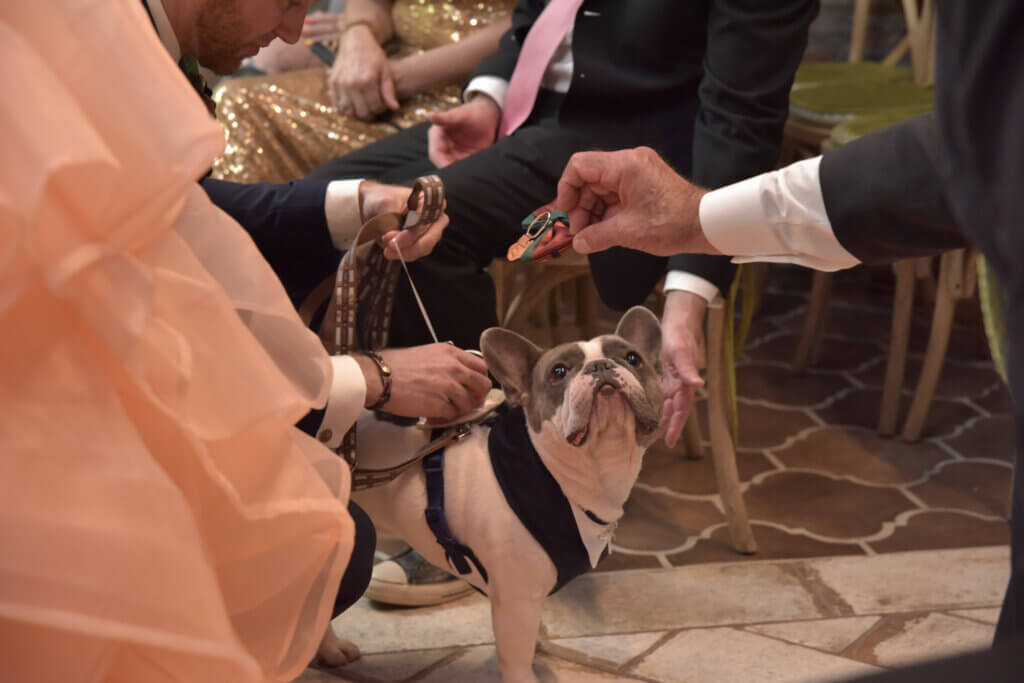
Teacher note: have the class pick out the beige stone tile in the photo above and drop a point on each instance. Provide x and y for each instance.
(389, 666)
(918, 581)
(833, 635)
(988, 616)
(651, 600)
(932, 636)
(480, 665)
(377, 629)
(726, 655)
(605, 651)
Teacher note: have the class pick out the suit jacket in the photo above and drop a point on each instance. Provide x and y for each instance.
(885, 197)
(704, 82)
(269, 213)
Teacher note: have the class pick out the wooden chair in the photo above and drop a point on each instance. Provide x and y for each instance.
(516, 302)
(958, 279)
(903, 94)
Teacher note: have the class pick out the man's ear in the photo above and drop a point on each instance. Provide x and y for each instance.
(641, 328)
(510, 358)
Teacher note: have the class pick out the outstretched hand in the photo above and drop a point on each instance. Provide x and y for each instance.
(681, 334)
(630, 198)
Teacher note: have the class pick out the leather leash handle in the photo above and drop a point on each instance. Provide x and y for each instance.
(382, 278)
(346, 285)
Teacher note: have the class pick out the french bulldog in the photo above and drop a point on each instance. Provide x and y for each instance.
(585, 413)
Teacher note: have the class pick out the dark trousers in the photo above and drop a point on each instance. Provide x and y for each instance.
(360, 566)
(488, 195)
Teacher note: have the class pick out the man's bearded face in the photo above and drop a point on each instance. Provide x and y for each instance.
(228, 31)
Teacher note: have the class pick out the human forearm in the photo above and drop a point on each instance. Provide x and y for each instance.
(446, 64)
(376, 14)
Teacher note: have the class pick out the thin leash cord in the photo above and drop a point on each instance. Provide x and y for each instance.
(419, 301)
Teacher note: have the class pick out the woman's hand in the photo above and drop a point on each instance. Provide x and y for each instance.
(361, 83)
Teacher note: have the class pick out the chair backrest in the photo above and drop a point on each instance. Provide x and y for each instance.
(919, 41)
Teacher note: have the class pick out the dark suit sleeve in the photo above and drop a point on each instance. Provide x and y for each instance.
(288, 225)
(503, 62)
(884, 194)
(753, 50)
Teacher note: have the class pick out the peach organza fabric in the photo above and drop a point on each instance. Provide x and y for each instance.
(160, 518)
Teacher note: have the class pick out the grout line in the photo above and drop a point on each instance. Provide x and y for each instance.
(912, 497)
(949, 613)
(770, 456)
(439, 664)
(814, 417)
(969, 401)
(852, 379)
(629, 665)
(941, 443)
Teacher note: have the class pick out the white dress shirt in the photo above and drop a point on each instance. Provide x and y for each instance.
(778, 217)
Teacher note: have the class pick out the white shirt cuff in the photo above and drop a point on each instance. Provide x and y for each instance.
(688, 282)
(492, 86)
(345, 401)
(778, 217)
(341, 205)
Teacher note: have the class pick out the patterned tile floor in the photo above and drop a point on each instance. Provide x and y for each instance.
(816, 477)
(831, 591)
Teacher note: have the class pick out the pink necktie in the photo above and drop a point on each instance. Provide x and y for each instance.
(541, 42)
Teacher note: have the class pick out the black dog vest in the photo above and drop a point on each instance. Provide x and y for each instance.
(531, 492)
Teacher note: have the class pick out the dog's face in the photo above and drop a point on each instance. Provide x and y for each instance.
(608, 385)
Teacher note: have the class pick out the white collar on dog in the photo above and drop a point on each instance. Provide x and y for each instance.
(595, 536)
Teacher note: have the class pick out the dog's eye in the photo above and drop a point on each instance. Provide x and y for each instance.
(633, 358)
(559, 372)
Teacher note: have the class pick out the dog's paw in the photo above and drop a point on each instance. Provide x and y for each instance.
(335, 651)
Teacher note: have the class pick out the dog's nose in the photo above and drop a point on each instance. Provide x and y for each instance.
(595, 367)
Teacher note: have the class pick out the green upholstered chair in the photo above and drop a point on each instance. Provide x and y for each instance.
(826, 94)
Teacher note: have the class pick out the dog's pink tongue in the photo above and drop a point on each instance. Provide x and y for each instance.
(579, 436)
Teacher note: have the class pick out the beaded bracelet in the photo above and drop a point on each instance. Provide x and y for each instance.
(385, 379)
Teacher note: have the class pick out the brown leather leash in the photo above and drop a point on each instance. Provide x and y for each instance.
(364, 274)
(368, 479)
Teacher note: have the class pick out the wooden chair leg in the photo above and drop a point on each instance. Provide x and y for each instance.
(950, 280)
(535, 292)
(809, 348)
(895, 369)
(722, 448)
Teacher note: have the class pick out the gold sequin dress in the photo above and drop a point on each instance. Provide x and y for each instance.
(281, 127)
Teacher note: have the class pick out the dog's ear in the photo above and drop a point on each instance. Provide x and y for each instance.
(641, 328)
(510, 358)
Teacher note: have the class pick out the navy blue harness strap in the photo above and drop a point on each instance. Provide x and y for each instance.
(456, 553)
